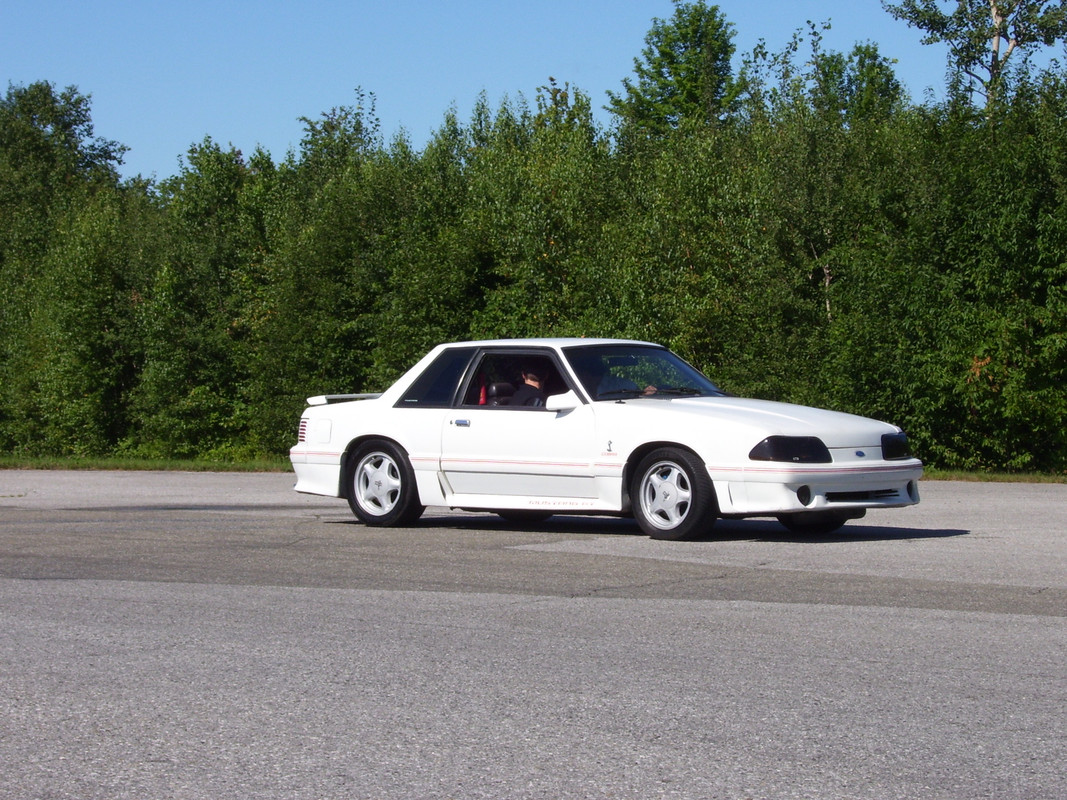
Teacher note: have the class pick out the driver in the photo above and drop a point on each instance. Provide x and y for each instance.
(531, 392)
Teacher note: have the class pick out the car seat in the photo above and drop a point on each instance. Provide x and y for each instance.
(499, 394)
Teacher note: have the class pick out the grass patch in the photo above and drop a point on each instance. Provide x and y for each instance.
(276, 464)
(934, 474)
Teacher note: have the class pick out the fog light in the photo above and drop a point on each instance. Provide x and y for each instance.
(804, 495)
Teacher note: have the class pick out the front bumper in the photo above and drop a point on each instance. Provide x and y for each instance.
(771, 490)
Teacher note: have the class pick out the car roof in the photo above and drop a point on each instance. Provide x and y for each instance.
(568, 341)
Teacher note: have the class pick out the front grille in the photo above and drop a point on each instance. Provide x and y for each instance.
(302, 433)
(860, 497)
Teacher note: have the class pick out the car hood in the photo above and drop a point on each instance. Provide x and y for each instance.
(769, 418)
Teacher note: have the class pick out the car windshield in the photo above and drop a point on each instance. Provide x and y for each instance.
(621, 371)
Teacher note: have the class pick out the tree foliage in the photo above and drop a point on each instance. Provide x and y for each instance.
(684, 73)
(826, 241)
(983, 35)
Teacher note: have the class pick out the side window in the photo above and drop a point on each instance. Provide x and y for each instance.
(437, 385)
(498, 380)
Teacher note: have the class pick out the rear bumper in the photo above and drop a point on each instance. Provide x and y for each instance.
(317, 472)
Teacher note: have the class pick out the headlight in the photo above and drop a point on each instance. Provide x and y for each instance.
(895, 445)
(792, 449)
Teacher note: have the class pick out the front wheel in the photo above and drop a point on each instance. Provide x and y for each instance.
(672, 495)
(381, 485)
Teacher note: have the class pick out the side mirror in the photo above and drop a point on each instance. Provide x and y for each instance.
(563, 402)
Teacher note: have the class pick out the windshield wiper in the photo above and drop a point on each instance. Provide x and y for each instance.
(619, 393)
(683, 391)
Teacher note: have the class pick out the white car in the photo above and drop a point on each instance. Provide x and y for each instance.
(616, 427)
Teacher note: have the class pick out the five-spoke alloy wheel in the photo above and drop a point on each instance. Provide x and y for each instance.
(381, 485)
(672, 495)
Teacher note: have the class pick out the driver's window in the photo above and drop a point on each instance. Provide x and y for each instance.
(510, 380)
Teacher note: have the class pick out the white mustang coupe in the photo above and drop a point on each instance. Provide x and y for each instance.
(528, 428)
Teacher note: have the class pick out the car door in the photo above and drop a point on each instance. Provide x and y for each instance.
(505, 456)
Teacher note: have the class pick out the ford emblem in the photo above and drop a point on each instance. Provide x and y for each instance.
(860, 453)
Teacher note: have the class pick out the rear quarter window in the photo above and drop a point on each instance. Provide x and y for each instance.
(436, 386)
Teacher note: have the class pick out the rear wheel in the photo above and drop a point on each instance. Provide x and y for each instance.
(672, 495)
(381, 485)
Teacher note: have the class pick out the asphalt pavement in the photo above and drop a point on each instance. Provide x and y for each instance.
(197, 635)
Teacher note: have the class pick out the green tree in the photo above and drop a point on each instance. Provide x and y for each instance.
(46, 138)
(684, 72)
(336, 137)
(537, 204)
(324, 276)
(860, 85)
(189, 402)
(49, 160)
(433, 269)
(1002, 254)
(84, 332)
(51, 166)
(982, 35)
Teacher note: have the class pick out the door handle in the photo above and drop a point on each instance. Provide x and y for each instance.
(461, 423)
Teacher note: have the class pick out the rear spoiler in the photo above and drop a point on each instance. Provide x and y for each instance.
(326, 399)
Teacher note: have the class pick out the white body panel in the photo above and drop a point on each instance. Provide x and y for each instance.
(518, 453)
(579, 459)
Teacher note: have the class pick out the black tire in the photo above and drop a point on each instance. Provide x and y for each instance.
(813, 523)
(672, 495)
(381, 485)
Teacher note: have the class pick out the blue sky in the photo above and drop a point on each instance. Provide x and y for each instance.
(164, 75)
